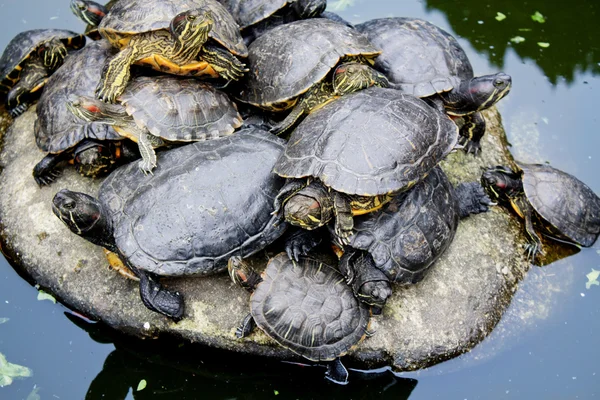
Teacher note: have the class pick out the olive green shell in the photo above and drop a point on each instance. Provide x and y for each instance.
(24, 44)
(421, 58)
(562, 200)
(288, 60)
(372, 142)
(57, 128)
(307, 307)
(179, 109)
(132, 17)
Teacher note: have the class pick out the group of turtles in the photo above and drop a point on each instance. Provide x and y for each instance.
(368, 111)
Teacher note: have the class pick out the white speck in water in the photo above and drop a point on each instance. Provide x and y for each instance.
(574, 378)
(582, 294)
(480, 22)
(146, 325)
(491, 47)
(53, 18)
(508, 391)
(24, 21)
(6, 301)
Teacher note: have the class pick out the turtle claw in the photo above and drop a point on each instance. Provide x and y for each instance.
(18, 110)
(46, 178)
(470, 146)
(146, 167)
(533, 249)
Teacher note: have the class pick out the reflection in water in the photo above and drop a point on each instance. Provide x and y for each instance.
(186, 371)
(573, 36)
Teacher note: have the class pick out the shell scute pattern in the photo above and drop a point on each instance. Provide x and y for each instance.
(372, 142)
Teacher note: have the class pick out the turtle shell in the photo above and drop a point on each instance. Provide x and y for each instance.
(91, 31)
(419, 57)
(205, 202)
(24, 44)
(307, 307)
(178, 109)
(58, 129)
(411, 232)
(289, 59)
(132, 17)
(250, 12)
(372, 142)
(562, 200)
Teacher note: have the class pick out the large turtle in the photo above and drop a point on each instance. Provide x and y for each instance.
(294, 65)
(306, 307)
(206, 202)
(551, 201)
(181, 37)
(400, 242)
(422, 59)
(257, 16)
(162, 109)
(351, 156)
(27, 62)
(94, 148)
(91, 13)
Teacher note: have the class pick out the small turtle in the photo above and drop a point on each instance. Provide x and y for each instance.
(181, 37)
(294, 65)
(551, 201)
(91, 13)
(94, 148)
(306, 307)
(400, 242)
(421, 59)
(162, 109)
(255, 17)
(27, 62)
(352, 155)
(206, 202)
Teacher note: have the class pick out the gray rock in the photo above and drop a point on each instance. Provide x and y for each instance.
(447, 314)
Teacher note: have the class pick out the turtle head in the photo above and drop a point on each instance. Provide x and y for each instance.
(242, 274)
(310, 207)
(52, 53)
(191, 28)
(90, 109)
(94, 159)
(502, 183)
(84, 216)
(88, 11)
(478, 93)
(353, 76)
(309, 8)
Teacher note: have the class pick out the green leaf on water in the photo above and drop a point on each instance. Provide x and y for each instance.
(34, 394)
(592, 279)
(141, 385)
(45, 296)
(543, 44)
(517, 39)
(341, 5)
(9, 371)
(276, 392)
(3, 320)
(538, 17)
(525, 29)
(500, 16)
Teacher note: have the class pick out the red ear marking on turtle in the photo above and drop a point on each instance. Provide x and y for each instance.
(91, 108)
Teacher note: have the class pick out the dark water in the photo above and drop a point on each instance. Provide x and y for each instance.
(546, 347)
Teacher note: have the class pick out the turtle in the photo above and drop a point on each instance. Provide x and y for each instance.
(255, 17)
(400, 242)
(181, 37)
(353, 155)
(94, 148)
(422, 59)
(91, 13)
(164, 109)
(27, 62)
(551, 201)
(306, 307)
(294, 65)
(206, 202)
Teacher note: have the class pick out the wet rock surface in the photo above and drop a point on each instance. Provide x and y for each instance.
(448, 313)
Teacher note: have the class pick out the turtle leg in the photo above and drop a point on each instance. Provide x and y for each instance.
(44, 171)
(472, 199)
(147, 142)
(472, 132)
(115, 75)
(246, 327)
(223, 62)
(157, 298)
(290, 120)
(301, 242)
(33, 79)
(534, 245)
(344, 222)
(336, 372)
(369, 283)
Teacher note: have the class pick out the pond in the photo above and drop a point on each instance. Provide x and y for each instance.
(546, 345)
